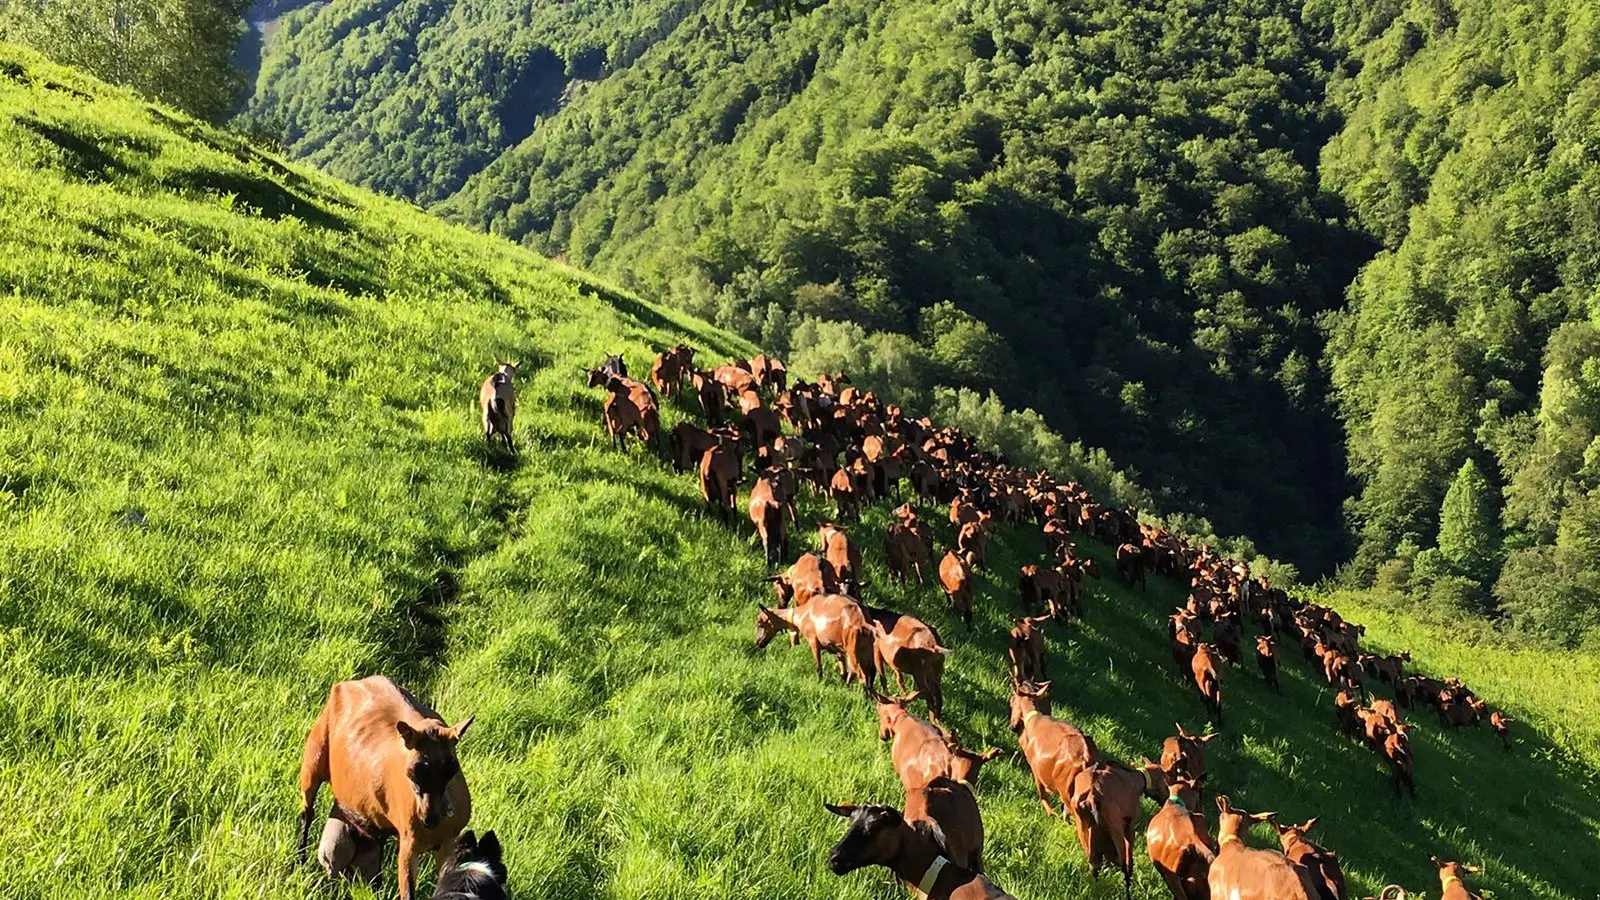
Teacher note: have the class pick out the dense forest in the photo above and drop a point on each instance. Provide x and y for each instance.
(1467, 365)
(412, 96)
(1326, 272)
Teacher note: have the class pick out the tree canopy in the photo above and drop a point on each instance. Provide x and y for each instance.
(177, 51)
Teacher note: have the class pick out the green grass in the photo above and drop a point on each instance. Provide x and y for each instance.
(239, 461)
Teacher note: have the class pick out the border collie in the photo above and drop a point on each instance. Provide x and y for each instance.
(474, 871)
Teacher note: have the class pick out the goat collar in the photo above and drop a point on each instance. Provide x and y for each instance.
(1030, 715)
(925, 886)
(1227, 839)
(1149, 781)
(1447, 880)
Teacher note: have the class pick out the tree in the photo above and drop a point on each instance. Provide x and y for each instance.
(177, 51)
(1468, 537)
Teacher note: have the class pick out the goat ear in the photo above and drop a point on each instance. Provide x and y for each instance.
(842, 809)
(989, 754)
(1207, 738)
(1222, 802)
(1436, 863)
(489, 847)
(1470, 870)
(407, 734)
(460, 731)
(1309, 822)
(1262, 817)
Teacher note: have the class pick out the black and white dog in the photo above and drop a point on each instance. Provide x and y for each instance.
(474, 871)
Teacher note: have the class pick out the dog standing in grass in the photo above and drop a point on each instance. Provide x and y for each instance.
(498, 398)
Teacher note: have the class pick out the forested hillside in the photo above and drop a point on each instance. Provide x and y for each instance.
(411, 97)
(1096, 215)
(1345, 250)
(1467, 366)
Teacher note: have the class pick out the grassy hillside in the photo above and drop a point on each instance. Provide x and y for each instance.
(238, 462)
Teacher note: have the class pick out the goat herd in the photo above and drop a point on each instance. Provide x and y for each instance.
(392, 765)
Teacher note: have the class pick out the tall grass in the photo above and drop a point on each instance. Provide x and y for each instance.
(239, 461)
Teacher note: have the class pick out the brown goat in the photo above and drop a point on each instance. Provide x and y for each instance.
(1397, 753)
(1181, 630)
(689, 444)
(1105, 808)
(391, 764)
(1501, 724)
(1056, 751)
(1322, 864)
(972, 541)
(666, 372)
(1180, 848)
(1244, 873)
(956, 578)
(846, 496)
(845, 557)
(809, 576)
(712, 401)
(831, 622)
(497, 398)
(1131, 565)
(1185, 753)
(1225, 634)
(905, 645)
(767, 500)
(946, 810)
(1458, 713)
(1267, 660)
(1347, 708)
(719, 477)
(1451, 887)
(1040, 586)
(1026, 649)
(964, 763)
(1208, 678)
(919, 750)
(904, 552)
(621, 415)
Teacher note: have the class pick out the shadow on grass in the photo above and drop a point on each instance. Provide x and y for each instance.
(83, 156)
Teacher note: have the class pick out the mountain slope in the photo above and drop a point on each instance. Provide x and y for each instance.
(238, 461)
(413, 97)
(1105, 219)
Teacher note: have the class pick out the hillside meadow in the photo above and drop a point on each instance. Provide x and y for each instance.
(239, 462)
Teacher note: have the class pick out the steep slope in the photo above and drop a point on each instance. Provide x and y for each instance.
(238, 461)
(1101, 216)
